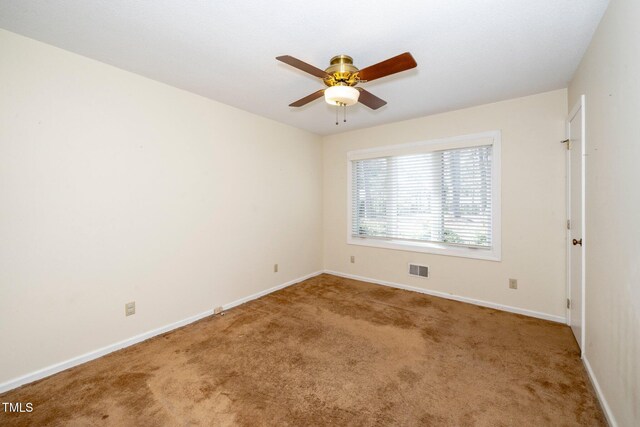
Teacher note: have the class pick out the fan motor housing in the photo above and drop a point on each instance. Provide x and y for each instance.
(341, 72)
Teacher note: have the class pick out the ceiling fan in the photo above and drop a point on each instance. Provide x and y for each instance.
(342, 76)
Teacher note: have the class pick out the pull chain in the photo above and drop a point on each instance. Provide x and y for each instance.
(344, 112)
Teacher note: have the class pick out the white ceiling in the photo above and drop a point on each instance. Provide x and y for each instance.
(469, 52)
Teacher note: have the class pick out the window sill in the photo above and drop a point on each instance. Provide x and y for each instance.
(429, 248)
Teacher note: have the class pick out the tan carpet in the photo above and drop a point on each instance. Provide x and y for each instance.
(331, 351)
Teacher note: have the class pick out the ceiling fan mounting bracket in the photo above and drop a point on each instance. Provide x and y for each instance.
(341, 72)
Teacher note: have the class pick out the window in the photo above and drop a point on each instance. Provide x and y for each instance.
(438, 196)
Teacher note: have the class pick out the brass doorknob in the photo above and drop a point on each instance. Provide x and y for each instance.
(577, 242)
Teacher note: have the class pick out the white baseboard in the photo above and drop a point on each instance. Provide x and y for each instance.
(78, 360)
(270, 290)
(603, 401)
(481, 303)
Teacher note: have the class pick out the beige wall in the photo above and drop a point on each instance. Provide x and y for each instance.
(609, 76)
(116, 188)
(533, 206)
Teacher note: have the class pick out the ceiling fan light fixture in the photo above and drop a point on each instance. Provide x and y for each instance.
(341, 95)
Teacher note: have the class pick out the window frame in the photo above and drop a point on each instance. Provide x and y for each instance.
(492, 138)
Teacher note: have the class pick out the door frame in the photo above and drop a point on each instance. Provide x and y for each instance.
(579, 106)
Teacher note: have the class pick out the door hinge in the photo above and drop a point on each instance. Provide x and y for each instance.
(568, 303)
(568, 224)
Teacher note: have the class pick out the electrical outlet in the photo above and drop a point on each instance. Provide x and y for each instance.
(513, 284)
(353, 259)
(275, 268)
(130, 308)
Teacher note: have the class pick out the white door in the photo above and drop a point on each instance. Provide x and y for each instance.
(575, 224)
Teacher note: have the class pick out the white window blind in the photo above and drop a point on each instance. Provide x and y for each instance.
(439, 196)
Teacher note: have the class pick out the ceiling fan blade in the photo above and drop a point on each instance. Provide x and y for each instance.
(370, 100)
(393, 65)
(307, 99)
(301, 65)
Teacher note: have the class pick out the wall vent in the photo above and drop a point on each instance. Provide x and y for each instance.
(419, 270)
